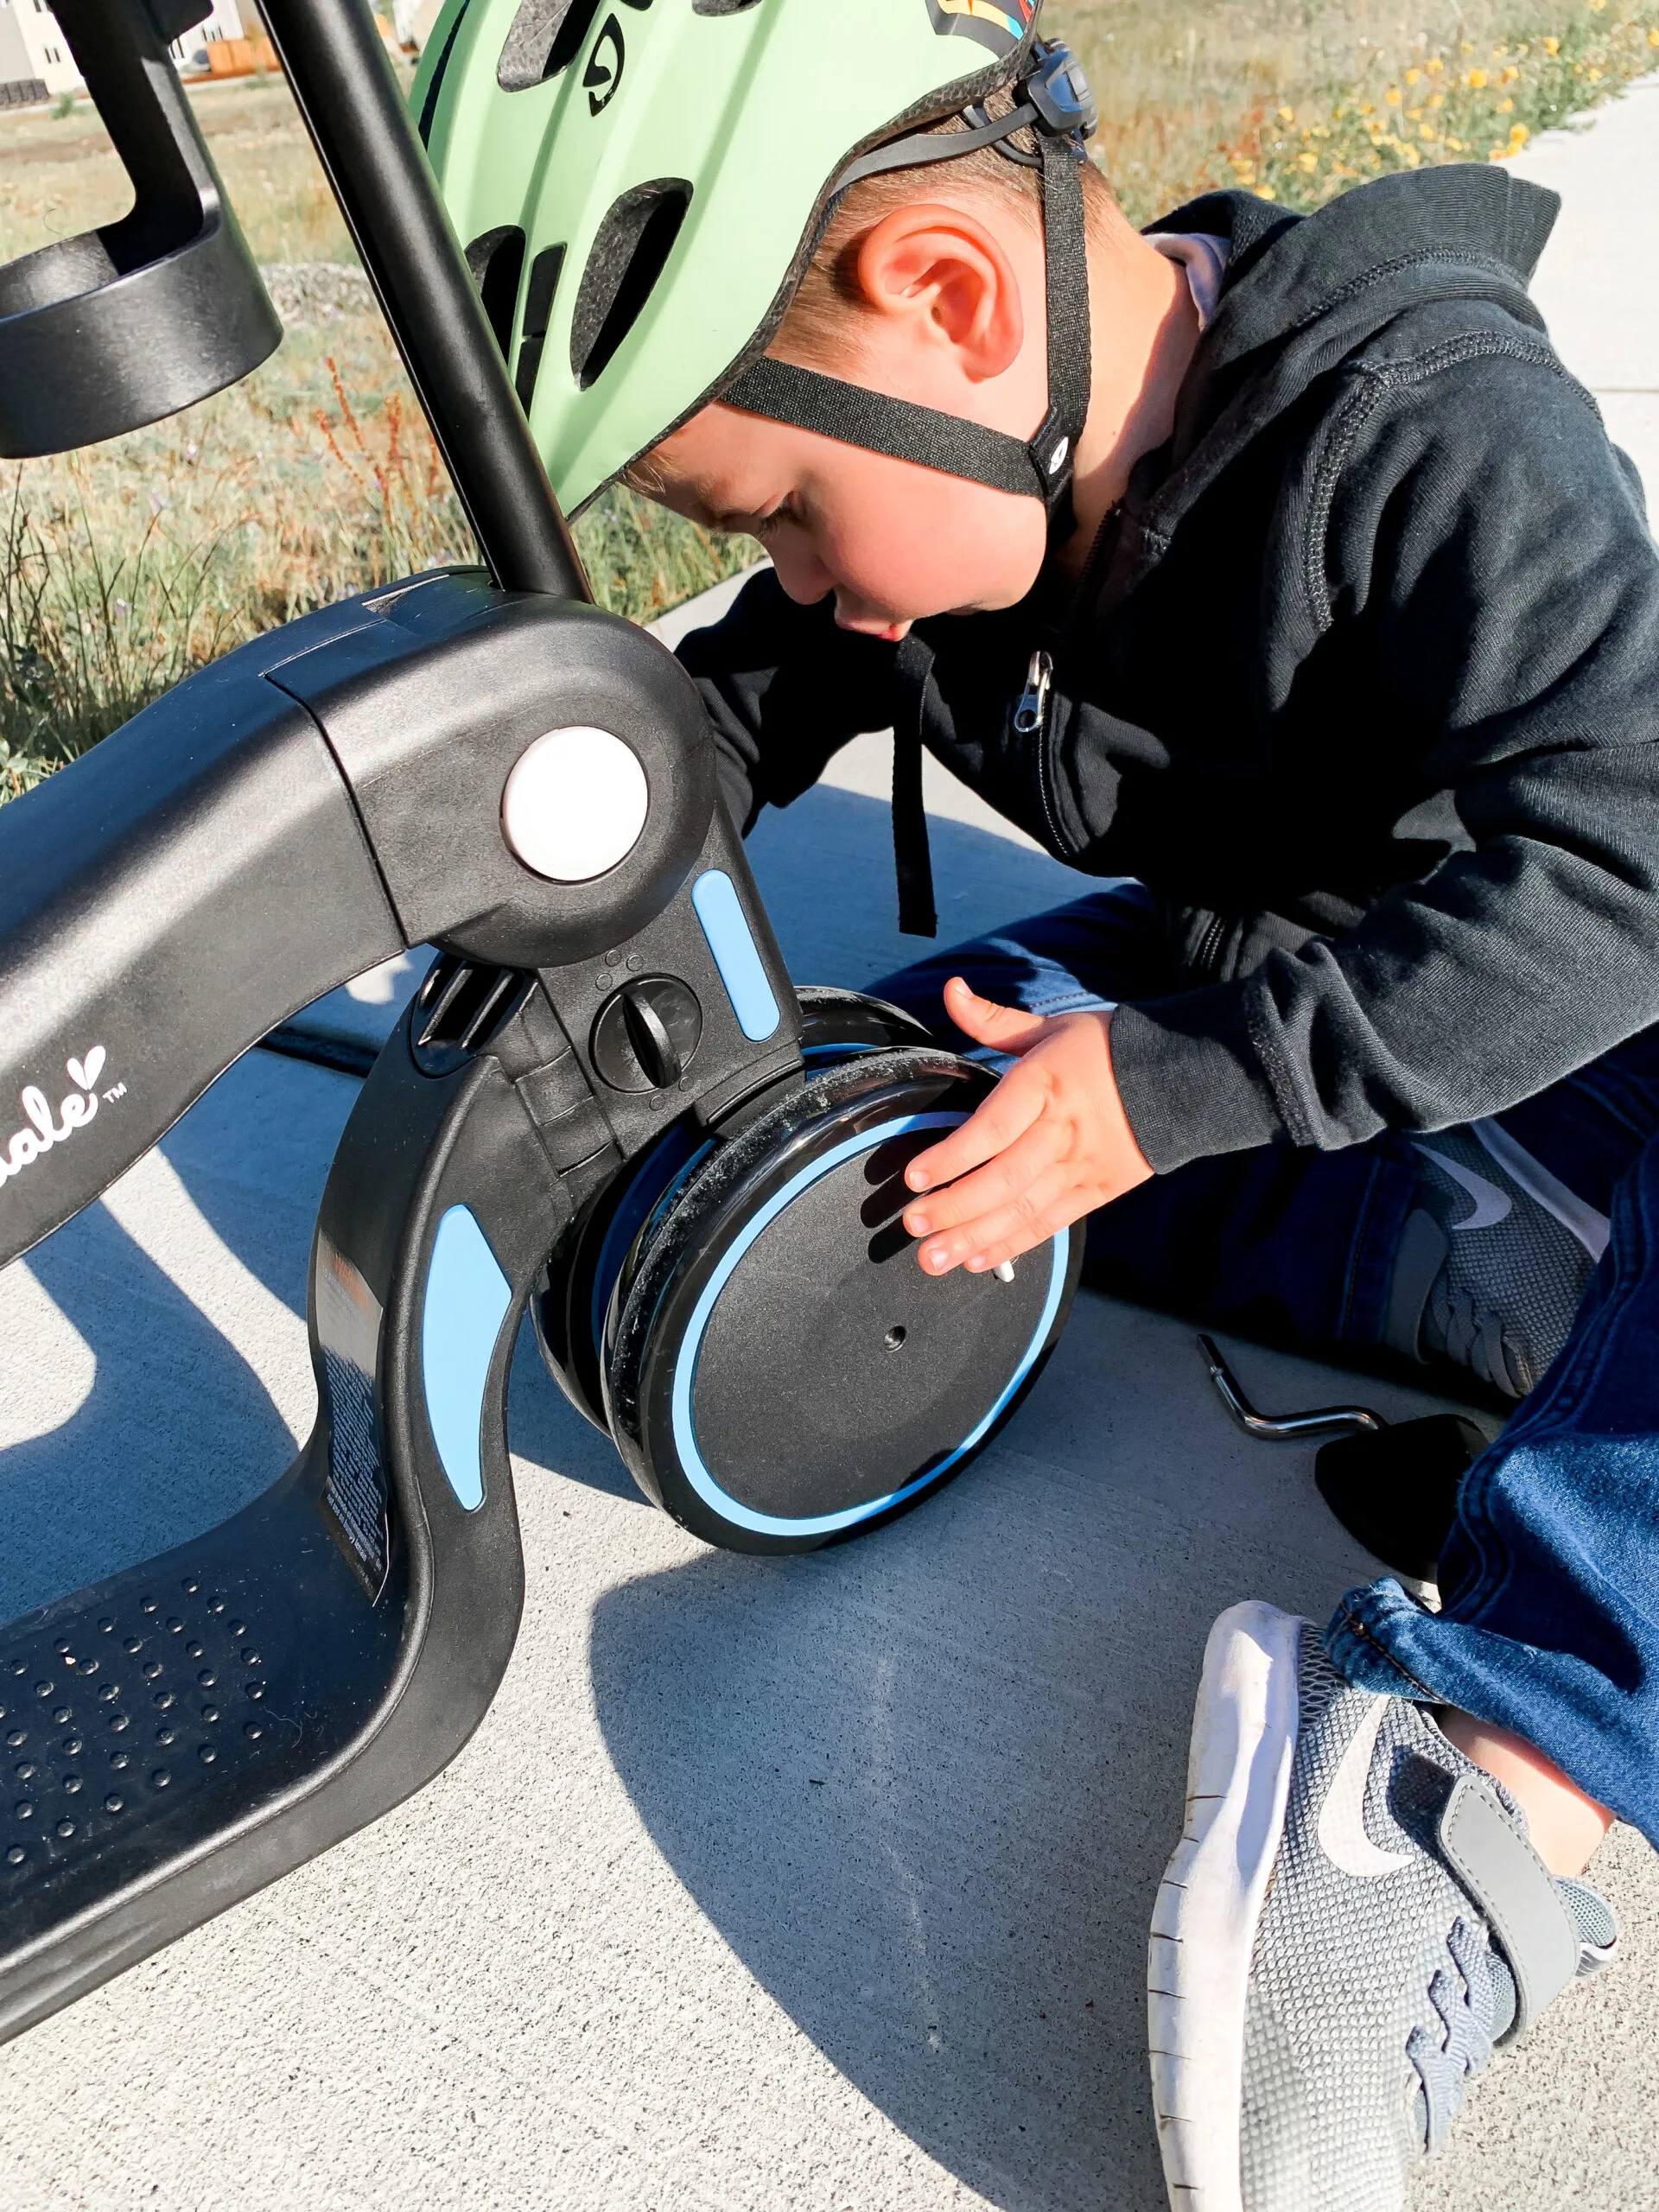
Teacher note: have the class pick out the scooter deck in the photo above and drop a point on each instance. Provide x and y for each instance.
(166, 1733)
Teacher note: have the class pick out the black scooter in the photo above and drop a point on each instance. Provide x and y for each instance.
(607, 1102)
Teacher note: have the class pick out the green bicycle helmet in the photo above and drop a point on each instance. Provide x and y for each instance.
(641, 184)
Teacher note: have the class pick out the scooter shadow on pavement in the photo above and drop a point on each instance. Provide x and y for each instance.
(151, 1429)
(924, 1785)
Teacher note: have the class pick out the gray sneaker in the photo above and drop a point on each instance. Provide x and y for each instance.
(1353, 1918)
(1493, 1260)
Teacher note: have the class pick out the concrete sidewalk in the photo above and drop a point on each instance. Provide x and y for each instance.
(1596, 283)
(820, 1883)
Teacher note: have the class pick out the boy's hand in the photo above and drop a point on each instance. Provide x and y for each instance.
(1050, 1144)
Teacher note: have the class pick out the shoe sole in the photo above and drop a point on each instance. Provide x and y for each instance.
(1210, 1900)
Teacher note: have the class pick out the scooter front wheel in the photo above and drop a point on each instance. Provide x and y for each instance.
(779, 1373)
(569, 1302)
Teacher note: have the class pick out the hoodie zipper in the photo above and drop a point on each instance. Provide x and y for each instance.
(1031, 721)
(1206, 954)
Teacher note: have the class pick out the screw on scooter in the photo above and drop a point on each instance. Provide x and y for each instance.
(607, 1104)
(1393, 1485)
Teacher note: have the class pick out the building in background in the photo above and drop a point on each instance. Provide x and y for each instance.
(18, 82)
(190, 53)
(36, 63)
(412, 20)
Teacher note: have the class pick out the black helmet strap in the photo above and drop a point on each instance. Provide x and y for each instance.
(1038, 467)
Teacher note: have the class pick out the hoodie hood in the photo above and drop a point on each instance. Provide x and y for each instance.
(1304, 293)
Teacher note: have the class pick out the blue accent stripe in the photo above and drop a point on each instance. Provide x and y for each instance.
(685, 1441)
(719, 909)
(467, 1300)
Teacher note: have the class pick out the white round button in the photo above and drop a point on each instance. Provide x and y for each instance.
(574, 804)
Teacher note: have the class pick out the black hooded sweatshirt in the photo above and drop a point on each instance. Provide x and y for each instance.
(1362, 682)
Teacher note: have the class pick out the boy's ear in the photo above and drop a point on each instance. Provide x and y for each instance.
(944, 271)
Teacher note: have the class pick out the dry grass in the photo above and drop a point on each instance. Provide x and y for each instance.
(1300, 98)
(58, 175)
(124, 566)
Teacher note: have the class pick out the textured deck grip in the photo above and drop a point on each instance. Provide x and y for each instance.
(120, 1713)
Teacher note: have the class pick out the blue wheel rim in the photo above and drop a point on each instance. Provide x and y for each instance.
(828, 1524)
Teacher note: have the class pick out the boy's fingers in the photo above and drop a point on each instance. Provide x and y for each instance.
(1001, 1181)
(1009, 1111)
(1009, 1028)
(1045, 1205)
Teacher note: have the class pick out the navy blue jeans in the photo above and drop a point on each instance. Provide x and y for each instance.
(1549, 1619)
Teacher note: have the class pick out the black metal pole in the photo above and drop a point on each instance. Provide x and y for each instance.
(342, 78)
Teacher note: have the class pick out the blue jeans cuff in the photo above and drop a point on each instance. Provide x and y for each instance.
(1381, 1638)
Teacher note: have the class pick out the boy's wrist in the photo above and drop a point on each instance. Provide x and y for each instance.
(1188, 1092)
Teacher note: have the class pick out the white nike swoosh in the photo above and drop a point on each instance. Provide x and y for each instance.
(1579, 1218)
(1342, 1817)
(1492, 1204)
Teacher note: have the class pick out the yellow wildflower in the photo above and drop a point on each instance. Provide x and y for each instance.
(1266, 193)
(1476, 80)
(1511, 75)
(1436, 99)
(1594, 75)
(1434, 67)
(1552, 46)
(1414, 114)
(1465, 47)
(1308, 162)
(1519, 134)
(1454, 145)
(1392, 96)
(1366, 108)
(1653, 37)
(1596, 6)
(1412, 75)
(1426, 132)
(1414, 159)
(1286, 115)
(1506, 107)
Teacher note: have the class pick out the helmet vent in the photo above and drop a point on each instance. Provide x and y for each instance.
(496, 260)
(429, 104)
(546, 36)
(538, 309)
(628, 256)
(721, 7)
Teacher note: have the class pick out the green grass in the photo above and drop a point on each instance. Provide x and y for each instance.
(124, 566)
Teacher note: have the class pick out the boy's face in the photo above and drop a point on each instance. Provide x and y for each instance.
(891, 541)
(942, 325)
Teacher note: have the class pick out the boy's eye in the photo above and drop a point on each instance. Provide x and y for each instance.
(780, 513)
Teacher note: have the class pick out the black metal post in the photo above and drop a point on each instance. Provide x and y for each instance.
(343, 80)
